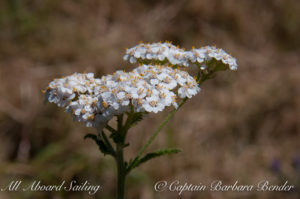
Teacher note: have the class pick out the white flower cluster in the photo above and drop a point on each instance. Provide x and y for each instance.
(160, 52)
(168, 53)
(95, 101)
(207, 53)
(62, 91)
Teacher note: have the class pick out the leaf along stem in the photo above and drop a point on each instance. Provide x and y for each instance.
(111, 129)
(150, 140)
(108, 144)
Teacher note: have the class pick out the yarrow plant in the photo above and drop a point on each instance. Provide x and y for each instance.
(160, 81)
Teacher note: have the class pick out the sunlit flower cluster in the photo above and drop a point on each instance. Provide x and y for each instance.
(168, 53)
(148, 88)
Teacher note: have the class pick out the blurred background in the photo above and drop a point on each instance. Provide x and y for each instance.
(243, 126)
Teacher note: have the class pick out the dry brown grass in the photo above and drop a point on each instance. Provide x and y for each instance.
(233, 130)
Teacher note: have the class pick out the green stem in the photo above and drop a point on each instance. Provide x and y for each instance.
(129, 118)
(121, 171)
(150, 140)
(120, 123)
(121, 167)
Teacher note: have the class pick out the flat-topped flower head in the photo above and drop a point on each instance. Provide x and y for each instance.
(207, 53)
(157, 53)
(166, 53)
(148, 88)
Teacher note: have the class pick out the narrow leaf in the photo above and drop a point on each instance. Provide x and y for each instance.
(108, 144)
(136, 162)
(102, 147)
(137, 117)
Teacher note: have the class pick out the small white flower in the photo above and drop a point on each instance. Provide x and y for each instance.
(153, 104)
(132, 60)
